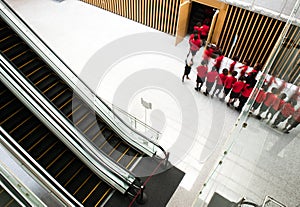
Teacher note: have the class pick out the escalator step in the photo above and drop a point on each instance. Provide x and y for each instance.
(62, 99)
(8, 41)
(33, 67)
(98, 196)
(60, 163)
(55, 150)
(23, 58)
(54, 90)
(66, 174)
(42, 146)
(77, 179)
(15, 49)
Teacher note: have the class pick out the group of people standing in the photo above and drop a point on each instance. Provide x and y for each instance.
(239, 89)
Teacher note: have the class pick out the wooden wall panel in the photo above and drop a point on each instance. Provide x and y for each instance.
(158, 14)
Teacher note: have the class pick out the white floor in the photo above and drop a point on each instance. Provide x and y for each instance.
(123, 61)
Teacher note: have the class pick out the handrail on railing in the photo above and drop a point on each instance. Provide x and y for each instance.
(42, 50)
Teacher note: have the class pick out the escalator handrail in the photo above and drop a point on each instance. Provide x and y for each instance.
(18, 18)
(112, 173)
(21, 193)
(36, 171)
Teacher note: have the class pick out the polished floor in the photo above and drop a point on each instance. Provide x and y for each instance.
(124, 61)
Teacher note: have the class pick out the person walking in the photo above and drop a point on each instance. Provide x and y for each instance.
(201, 75)
(220, 82)
(187, 70)
(228, 83)
(210, 80)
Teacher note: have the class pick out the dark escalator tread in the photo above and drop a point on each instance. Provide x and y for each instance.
(86, 122)
(60, 163)
(41, 147)
(17, 116)
(33, 136)
(77, 179)
(47, 81)
(23, 58)
(5, 197)
(55, 90)
(86, 192)
(8, 41)
(68, 172)
(70, 106)
(33, 67)
(67, 95)
(50, 154)
(119, 151)
(24, 128)
(4, 32)
(110, 144)
(79, 114)
(38, 76)
(128, 159)
(93, 129)
(14, 49)
(98, 196)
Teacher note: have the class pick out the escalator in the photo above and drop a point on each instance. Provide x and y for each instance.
(6, 199)
(68, 102)
(33, 137)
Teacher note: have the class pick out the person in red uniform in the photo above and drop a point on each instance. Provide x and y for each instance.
(195, 44)
(232, 65)
(201, 74)
(230, 80)
(276, 106)
(270, 97)
(261, 96)
(204, 29)
(197, 28)
(207, 53)
(292, 122)
(286, 111)
(220, 82)
(257, 67)
(244, 67)
(218, 61)
(210, 80)
(247, 90)
(237, 88)
(296, 94)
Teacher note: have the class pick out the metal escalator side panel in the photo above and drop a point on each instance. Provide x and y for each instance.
(20, 193)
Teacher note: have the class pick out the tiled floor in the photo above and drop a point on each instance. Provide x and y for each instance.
(124, 61)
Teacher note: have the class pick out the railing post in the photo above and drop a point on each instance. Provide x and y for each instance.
(142, 199)
(167, 160)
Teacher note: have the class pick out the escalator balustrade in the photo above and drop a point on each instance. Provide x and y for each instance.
(49, 152)
(64, 98)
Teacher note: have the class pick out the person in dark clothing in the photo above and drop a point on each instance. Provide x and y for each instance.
(187, 70)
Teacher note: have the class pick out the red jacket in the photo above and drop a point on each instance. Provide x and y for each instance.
(296, 115)
(211, 76)
(246, 92)
(270, 98)
(261, 96)
(244, 69)
(202, 71)
(221, 79)
(278, 103)
(194, 44)
(287, 110)
(230, 80)
(231, 67)
(218, 61)
(237, 87)
(204, 30)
